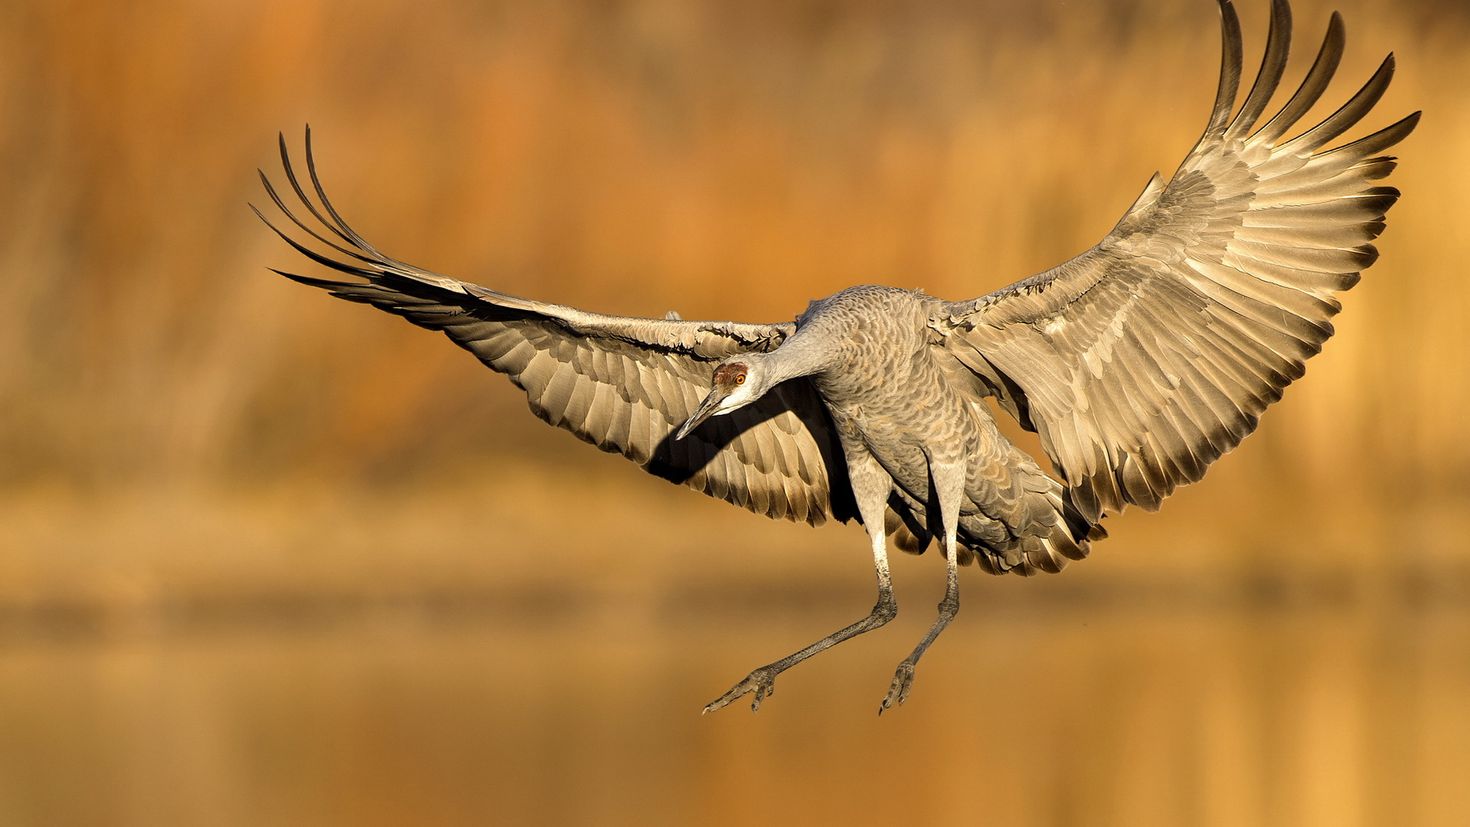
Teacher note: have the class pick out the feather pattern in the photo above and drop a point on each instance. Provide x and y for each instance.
(1142, 360)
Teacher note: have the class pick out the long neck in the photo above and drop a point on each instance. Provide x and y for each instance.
(800, 355)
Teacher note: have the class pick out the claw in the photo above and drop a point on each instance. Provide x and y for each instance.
(761, 682)
(898, 692)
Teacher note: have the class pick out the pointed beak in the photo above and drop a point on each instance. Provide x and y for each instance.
(706, 410)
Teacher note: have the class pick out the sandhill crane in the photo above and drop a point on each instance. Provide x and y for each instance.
(1138, 363)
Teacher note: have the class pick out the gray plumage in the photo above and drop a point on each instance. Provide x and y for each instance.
(1138, 363)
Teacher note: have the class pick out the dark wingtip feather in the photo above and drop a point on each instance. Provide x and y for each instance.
(1412, 121)
(296, 187)
(1377, 142)
(325, 261)
(310, 281)
(1312, 86)
(1230, 62)
(1349, 113)
(1268, 77)
(340, 226)
(302, 225)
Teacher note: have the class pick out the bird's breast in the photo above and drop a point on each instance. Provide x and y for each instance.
(899, 409)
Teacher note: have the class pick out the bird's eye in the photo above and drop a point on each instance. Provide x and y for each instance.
(740, 379)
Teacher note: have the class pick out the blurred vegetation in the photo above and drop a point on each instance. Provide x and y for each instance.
(195, 453)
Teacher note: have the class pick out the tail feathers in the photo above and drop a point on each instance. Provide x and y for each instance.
(1052, 532)
(907, 532)
(1046, 545)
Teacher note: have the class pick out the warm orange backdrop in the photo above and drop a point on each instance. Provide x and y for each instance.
(270, 558)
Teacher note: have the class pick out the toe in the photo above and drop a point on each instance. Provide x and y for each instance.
(759, 683)
(898, 691)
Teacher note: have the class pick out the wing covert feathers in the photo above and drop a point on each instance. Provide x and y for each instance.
(1144, 359)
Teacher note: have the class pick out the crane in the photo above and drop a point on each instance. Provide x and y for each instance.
(1138, 363)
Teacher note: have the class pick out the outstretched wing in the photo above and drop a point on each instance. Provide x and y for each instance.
(622, 384)
(1144, 359)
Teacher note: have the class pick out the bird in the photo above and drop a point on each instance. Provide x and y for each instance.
(1138, 362)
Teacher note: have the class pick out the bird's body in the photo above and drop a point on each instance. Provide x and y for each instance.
(1138, 363)
(893, 403)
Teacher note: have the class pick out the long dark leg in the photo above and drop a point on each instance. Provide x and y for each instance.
(949, 485)
(871, 484)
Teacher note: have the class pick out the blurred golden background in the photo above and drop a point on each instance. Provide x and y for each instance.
(268, 558)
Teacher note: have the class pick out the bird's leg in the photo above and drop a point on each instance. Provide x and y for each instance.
(948, 492)
(762, 680)
(949, 606)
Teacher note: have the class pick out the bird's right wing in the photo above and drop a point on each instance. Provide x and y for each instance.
(622, 384)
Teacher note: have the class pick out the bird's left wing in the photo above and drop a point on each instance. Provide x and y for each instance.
(1141, 361)
(620, 383)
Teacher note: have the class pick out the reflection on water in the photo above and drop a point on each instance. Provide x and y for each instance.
(1023, 714)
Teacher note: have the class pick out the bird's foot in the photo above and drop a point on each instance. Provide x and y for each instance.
(898, 692)
(762, 682)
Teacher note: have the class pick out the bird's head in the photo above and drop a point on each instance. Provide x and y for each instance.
(738, 381)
